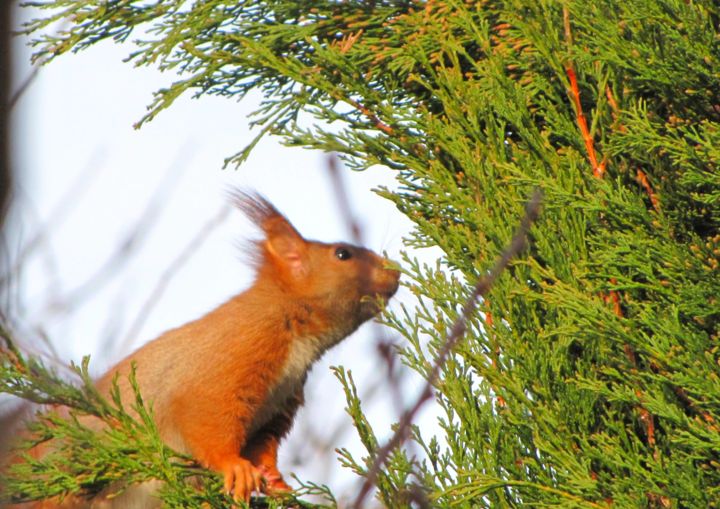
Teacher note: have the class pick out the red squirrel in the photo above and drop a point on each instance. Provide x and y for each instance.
(225, 388)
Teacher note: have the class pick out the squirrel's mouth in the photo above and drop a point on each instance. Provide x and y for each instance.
(390, 284)
(383, 290)
(375, 302)
(386, 295)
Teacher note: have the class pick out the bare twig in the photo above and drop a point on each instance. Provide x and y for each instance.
(338, 183)
(645, 183)
(132, 241)
(482, 287)
(169, 273)
(384, 347)
(418, 496)
(70, 198)
(377, 123)
(25, 85)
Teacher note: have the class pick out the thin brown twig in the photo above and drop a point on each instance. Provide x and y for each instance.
(598, 168)
(384, 348)
(169, 273)
(709, 419)
(646, 418)
(372, 116)
(333, 166)
(25, 85)
(614, 108)
(566, 26)
(133, 240)
(645, 183)
(482, 287)
(378, 123)
(70, 198)
(418, 496)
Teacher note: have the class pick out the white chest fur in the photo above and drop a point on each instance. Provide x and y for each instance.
(302, 355)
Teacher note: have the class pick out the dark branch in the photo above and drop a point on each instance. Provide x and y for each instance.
(482, 287)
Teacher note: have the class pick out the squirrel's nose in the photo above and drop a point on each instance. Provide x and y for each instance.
(390, 280)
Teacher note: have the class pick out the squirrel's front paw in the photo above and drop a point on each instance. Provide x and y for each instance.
(242, 479)
(274, 482)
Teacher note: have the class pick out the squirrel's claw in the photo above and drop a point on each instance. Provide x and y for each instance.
(242, 479)
(274, 482)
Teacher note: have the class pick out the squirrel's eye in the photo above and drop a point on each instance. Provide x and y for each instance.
(343, 254)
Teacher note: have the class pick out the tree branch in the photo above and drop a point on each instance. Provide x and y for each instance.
(482, 287)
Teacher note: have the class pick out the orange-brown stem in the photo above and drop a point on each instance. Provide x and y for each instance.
(374, 118)
(646, 418)
(598, 168)
(614, 108)
(643, 181)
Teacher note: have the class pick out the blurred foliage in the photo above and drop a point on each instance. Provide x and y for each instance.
(589, 377)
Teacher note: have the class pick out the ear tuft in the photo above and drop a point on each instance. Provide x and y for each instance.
(254, 206)
(283, 242)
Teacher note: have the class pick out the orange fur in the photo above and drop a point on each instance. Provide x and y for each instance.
(225, 388)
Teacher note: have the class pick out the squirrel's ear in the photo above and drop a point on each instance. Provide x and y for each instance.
(286, 246)
(283, 243)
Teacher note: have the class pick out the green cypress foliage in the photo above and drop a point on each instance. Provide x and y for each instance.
(589, 377)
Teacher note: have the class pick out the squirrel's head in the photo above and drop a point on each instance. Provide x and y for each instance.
(346, 278)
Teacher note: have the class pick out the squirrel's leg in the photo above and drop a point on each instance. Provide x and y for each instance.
(261, 449)
(216, 440)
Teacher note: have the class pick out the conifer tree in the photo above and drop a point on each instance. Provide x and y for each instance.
(588, 376)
